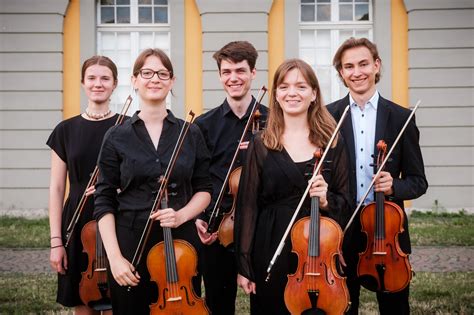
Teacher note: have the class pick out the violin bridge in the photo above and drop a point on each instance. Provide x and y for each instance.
(312, 274)
(379, 253)
(100, 269)
(174, 299)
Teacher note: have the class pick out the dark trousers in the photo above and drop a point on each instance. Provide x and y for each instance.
(389, 303)
(220, 278)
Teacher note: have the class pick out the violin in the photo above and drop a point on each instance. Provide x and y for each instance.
(178, 258)
(383, 266)
(316, 287)
(226, 227)
(94, 289)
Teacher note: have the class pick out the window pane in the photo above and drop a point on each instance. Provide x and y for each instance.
(308, 56)
(122, 58)
(307, 1)
(307, 38)
(323, 38)
(345, 0)
(108, 41)
(345, 12)
(343, 35)
(144, 1)
(161, 1)
(323, 57)
(162, 41)
(107, 2)
(144, 15)
(107, 15)
(123, 2)
(123, 41)
(307, 13)
(161, 15)
(362, 34)
(362, 12)
(146, 40)
(324, 1)
(324, 13)
(123, 15)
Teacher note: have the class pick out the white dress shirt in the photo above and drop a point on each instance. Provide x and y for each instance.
(363, 123)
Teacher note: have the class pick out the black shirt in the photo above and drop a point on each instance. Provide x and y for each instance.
(222, 130)
(130, 167)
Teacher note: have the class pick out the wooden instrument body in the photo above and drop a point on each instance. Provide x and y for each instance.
(226, 227)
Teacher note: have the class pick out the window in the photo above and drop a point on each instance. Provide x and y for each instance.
(125, 28)
(324, 25)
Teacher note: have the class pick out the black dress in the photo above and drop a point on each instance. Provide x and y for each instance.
(270, 190)
(77, 142)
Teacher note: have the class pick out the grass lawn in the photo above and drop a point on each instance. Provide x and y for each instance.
(430, 293)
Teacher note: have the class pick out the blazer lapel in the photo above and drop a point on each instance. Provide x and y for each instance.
(383, 113)
(346, 129)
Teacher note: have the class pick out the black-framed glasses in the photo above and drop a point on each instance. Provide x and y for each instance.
(162, 74)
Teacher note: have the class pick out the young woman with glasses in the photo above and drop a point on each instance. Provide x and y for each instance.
(133, 158)
(75, 144)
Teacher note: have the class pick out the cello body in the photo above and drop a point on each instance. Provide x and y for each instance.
(175, 293)
(93, 288)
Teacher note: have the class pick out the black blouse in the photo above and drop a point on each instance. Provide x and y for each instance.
(130, 167)
(270, 189)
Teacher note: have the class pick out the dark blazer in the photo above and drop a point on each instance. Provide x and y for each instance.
(406, 165)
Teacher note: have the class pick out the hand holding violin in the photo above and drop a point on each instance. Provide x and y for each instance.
(124, 272)
(168, 217)
(384, 183)
(319, 188)
(206, 238)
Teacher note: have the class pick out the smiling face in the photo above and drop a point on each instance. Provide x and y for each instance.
(294, 94)
(98, 84)
(359, 70)
(153, 90)
(236, 78)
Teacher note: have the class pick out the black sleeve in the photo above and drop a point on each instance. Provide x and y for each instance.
(201, 180)
(338, 188)
(412, 183)
(56, 141)
(246, 212)
(105, 196)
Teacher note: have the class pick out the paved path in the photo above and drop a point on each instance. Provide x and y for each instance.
(424, 258)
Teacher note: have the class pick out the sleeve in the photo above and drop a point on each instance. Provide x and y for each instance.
(246, 212)
(56, 141)
(201, 180)
(338, 188)
(105, 196)
(412, 183)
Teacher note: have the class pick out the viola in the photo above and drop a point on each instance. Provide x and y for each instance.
(316, 287)
(226, 227)
(178, 260)
(383, 266)
(93, 288)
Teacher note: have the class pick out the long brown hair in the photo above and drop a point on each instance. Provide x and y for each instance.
(321, 123)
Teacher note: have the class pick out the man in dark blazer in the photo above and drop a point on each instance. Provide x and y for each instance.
(372, 118)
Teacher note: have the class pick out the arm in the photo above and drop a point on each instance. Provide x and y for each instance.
(57, 187)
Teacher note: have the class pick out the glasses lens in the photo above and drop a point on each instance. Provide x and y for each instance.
(146, 73)
(163, 75)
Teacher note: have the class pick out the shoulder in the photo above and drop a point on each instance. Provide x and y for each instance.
(336, 107)
(394, 108)
(202, 120)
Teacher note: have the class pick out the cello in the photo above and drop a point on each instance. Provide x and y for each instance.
(227, 229)
(383, 266)
(316, 287)
(93, 288)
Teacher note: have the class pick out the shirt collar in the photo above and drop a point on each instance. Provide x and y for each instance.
(373, 101)
(226, 110)
(170, 117)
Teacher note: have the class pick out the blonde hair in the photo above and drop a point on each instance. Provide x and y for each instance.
(321, 123)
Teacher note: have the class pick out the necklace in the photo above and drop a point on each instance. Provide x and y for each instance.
(97, 116)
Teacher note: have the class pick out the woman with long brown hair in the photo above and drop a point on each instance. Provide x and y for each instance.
(275, 177)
